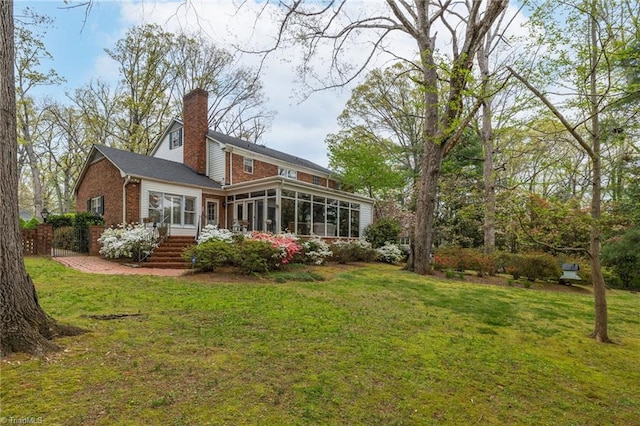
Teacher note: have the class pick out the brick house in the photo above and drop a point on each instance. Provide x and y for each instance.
(196, 176)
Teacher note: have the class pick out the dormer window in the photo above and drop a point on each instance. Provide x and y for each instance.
(292, 174)
(175, 139)
(247, 165)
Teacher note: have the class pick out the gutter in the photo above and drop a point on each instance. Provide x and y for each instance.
(127, 179)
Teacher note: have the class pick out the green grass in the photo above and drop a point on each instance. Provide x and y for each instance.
(369, 345)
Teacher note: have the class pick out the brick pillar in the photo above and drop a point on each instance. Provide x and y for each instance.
(44, 239)
(195, 118)
(95, 231)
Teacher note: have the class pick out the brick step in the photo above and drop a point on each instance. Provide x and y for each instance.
(172, 254)
(176, 251)
(169, 254)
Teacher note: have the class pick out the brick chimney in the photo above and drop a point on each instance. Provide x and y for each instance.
(196, 125)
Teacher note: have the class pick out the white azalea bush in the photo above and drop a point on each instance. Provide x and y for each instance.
(212, 232)
(390, 253)
(131, 241)
(316, 251)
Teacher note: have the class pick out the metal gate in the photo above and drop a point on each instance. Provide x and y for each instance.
(70, 241)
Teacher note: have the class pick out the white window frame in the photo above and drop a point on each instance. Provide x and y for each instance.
(289, 173)
(247, 165)
(97, 205)
(175, 139)
(163, 196)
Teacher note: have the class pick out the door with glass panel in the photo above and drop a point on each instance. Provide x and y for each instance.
(245, 214)
(211, 213)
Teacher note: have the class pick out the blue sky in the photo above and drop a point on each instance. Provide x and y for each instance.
(75, 44)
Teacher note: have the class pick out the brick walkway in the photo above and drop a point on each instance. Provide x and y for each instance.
(98, 265)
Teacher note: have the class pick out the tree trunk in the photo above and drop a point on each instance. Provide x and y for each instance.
(24, 327)
(423, 234)
(38, 202)
(599, 289)
(486, 135)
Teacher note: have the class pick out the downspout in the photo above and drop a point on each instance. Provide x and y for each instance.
(231, 166)
(279, 207)
(127, 179)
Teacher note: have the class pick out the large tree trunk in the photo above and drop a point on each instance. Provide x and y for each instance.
(24, 326)
(420, 262)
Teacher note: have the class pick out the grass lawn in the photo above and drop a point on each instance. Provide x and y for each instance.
(369, 345)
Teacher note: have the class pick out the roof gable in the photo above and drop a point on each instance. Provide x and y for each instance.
(143, 166)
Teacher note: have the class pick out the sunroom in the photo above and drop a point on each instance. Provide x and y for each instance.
(282, 205)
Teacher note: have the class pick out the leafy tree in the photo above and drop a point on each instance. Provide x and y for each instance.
(146, 77)
(621, 253)
(363, 164)
(444, 115)
(30, 52)
(383, 231)
(578, 59)
(385, 112)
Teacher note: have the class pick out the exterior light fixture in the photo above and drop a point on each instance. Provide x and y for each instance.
(45, 214)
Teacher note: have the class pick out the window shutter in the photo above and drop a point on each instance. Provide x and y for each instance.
(101, 208)
(89, 205)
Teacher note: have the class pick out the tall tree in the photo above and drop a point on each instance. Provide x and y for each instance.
(30, 52)
(422, 22)
(147, 79)
(580, 58)
(65, 148)
(236, 93)
(24, 326)
(386, 110)
(363, 164)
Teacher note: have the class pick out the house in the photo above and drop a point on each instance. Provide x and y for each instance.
(196, 176)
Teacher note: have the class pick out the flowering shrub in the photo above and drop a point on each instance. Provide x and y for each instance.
(390, 253)
(352, 251)
(211, 232)
(316, 251)
(462, 259)
(285, 243)
(211, 254)
(257, 256)
(127, 240)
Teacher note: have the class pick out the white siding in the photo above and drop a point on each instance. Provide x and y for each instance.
(216, 162)
(147, 186)
(165, 153)
(366, 216)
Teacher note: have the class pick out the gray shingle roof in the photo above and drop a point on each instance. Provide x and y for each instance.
(155, 168)
(263, 150)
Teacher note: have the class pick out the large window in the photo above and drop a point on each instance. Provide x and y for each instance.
(172, 209)
(175, 139)
(307, 214)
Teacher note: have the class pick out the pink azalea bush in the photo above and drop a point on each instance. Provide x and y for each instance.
(286, 243)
